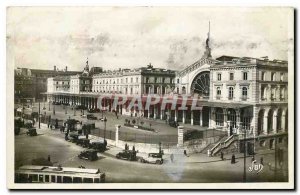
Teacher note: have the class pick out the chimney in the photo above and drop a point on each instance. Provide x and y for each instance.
(66, 68)
(54, 68)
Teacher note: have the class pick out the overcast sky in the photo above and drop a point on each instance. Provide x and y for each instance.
(169, 37)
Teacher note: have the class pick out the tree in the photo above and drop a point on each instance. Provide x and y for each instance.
(133, 121)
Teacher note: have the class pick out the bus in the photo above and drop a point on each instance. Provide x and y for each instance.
(48, 174)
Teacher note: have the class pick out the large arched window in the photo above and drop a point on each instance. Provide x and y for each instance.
(231, 116)
(201, 84)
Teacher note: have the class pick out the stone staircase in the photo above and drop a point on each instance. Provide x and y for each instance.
(224, 143)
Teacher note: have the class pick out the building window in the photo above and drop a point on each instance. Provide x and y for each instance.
(131, 80)
(262, 76)
(281, 76)
(177, 80)
(245, 76)
(273, 76)
(230, 95)
(231, 76)
(244, 93)
(219, 76)
(137, 79)
(218, 91)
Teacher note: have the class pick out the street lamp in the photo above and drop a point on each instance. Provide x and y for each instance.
(39, 114)
(53, 109)
(49, 105)
(105, 120)
(244, 175)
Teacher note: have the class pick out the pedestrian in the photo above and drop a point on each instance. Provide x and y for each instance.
(172, 157)
(133, 148)
(233, 159)
(126, 146)
(252, 159)
(49, 159)
(185, 153)
(262, 160)
(222, 156)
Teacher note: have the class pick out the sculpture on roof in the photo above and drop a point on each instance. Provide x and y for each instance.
(207, 52)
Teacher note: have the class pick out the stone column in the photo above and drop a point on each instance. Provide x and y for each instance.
(161, 114)
(155, 111)
(265, 130)
(180, 136)
(212, 117)
(225, 119)
(176, 114)
(238, 116)
(117, 134)
(183, 116)
(275, 122)
(192, 118)
(283, 115)
(201, 120)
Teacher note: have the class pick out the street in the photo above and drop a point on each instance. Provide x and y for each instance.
(51, 142)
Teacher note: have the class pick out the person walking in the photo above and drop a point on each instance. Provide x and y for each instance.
(262, 160)
(222, 156)
(172, 157)
(233, 159)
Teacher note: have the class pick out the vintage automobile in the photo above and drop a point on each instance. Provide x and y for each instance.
(173, 123)
(155, 158)
(127, 155)
(31, 132)
(91, 117)
(98, 145)
(83, 141)
(88, 155)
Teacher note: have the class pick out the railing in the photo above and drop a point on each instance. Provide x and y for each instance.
(222, 145)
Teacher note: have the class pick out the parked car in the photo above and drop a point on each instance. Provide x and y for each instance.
(173, 124)
(127, 155)
(91, 117)
(56, 103)
(155, 158)
(99, 146)
(88, 155)
(31, 132)
(83, 142)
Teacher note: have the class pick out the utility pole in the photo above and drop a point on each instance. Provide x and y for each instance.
(276, 158)
(39, 114)
(244, 176)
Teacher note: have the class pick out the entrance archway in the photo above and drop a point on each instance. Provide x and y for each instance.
(260, 122)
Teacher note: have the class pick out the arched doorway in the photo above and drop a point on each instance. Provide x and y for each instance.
(219, 117)
(260, 122)
(279, 118)
(246, 117)
(231, 116)
(200, 84)
(270, 120)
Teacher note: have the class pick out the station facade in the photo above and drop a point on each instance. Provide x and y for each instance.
(235, 94)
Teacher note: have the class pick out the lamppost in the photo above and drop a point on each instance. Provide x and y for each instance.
(53, 109)
(244, 175)
(66, 112)
(39, 114)
(49, 104)
(105, 120)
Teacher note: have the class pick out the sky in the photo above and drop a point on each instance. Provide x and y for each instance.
(131, 37)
